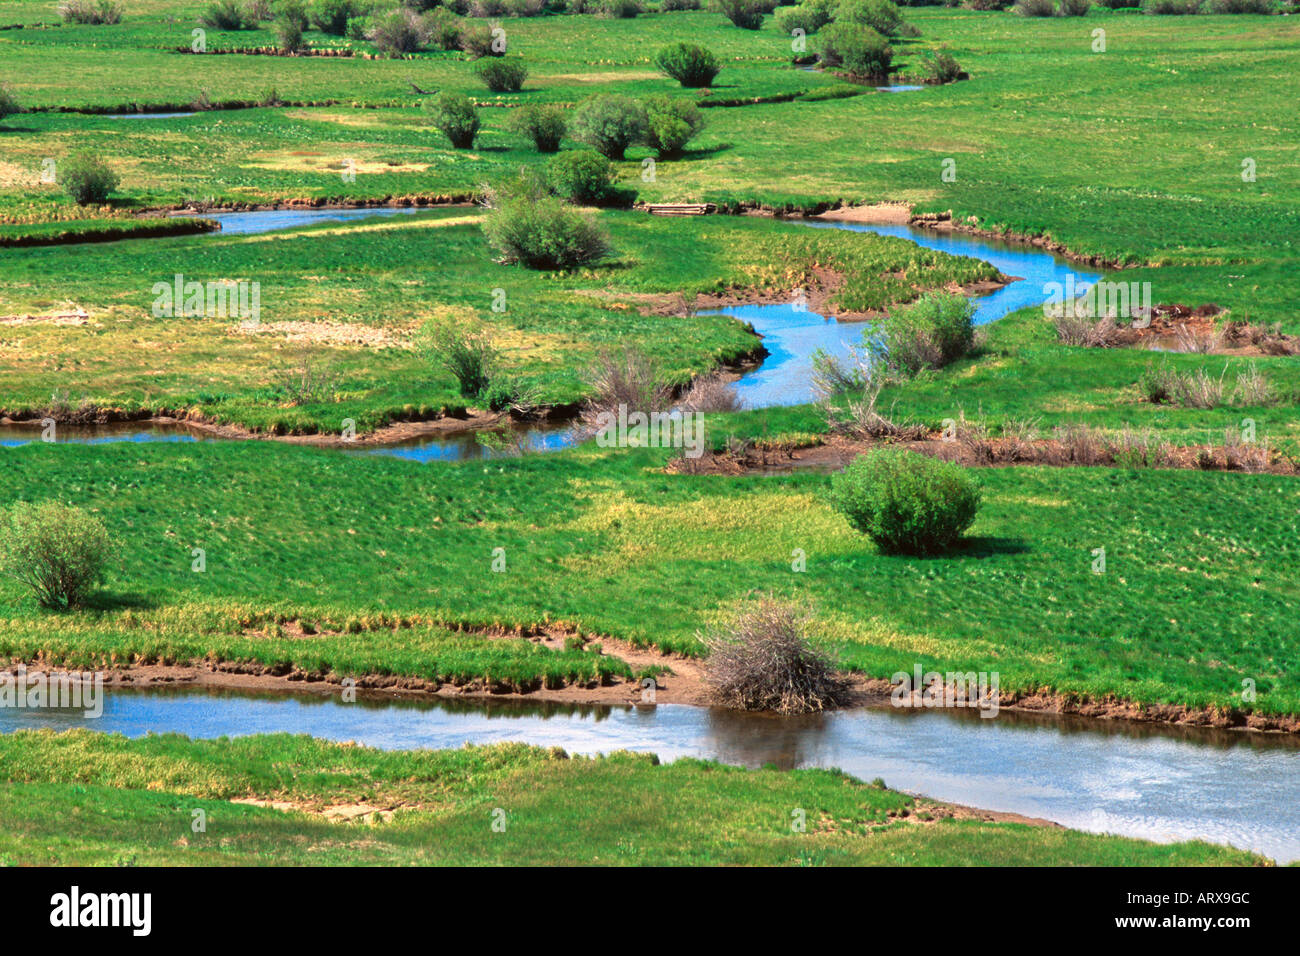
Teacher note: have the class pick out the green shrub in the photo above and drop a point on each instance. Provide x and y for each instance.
(907, 503)
(881, 15)
(808, 17)
(620, 9)
(541, 232)
(939, 67)
(932, 332)
(609, 123)
(443, 28)
(292, 10)
(398, 32)
(8, 102)
(467, 354)
(667, 6)
(56, 550)
(100, 13)
(692, 66)
(226, 15)
(1035, 8)
(502, 75)
(1170, 7)
(87, 179)
(671, 123)
(581, 176)
(858, 50)
(476, 39)
(544, 125)
(288, 34)
(746, 14)
(332, 16)
(1119, 4)
(1074, 8)
(456, 116)
(1239, 6)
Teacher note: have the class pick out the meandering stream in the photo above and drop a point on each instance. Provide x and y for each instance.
(1160, 784)
(1164, 784)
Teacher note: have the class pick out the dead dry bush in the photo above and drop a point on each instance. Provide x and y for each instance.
(1080, 445)
(711, 393)
(1079, 329)
(761, 660)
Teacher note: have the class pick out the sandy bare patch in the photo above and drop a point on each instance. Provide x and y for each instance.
(330, 333)
(877, 214)
(341, 813)
(74, 315)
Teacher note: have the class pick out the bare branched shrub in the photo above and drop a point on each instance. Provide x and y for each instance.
(1199, 389)
(1134, 448)
(1080, 444)
(1243, 455)
(974, 437)
(627, 378)
(1197, 341)
(309, 381)
(1020, 434)
(711, 393)
(1076, 329)
(1254, 389)
(762, 660)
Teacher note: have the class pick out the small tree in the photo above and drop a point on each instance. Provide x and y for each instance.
(692, 66)
(746, 14)
(443, 28)
(580, 176)
(671, 123)
(58, 551)
(544, 125)
(87, 179)
(906, 502)
(455, 114)
(501, 75)
(609, 123)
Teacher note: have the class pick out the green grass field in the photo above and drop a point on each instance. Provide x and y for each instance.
(1133, 156)
(133, 802)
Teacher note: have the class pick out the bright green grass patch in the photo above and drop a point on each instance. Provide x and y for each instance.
(89, 799)
(387, 276)
(1198, 594)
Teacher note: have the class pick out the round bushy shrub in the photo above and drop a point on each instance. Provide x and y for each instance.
(501, 75)
(809, 17)
(858, 50)
(667, 6)
(692, 66)
(288, 34)
(881, 15)
(476, 39)
(619, 9)
(746, 14)
(581, 176)
(332, 16)
(455, 114)
(1173, 8)
(58, 551)
(8, 102)
(609, 123)
(1239, 6)
(671, 123)
(1035, 8)
(398, 32)
(1119, 4)
(544, 233)
(940, 67)
(443, 28)
(544, 125)
(931, 332)
(1075, 8)
(86, 178)
(907, 503)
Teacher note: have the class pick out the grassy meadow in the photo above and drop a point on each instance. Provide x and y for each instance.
(132, 802)
(349, 563)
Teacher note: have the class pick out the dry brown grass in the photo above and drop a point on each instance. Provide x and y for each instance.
(761, 660)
